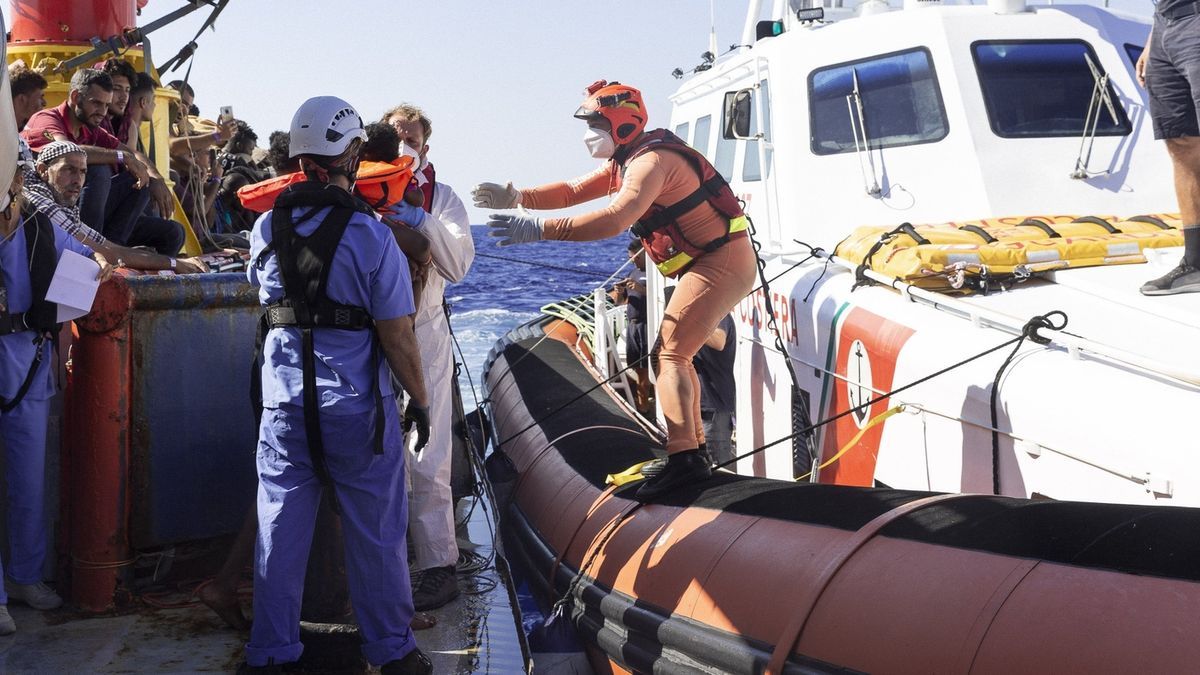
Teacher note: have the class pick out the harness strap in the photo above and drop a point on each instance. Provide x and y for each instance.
(306, 306)
(379, 422)
(312, 415)
(345, 317)
(6, 406)
(15, 323)
(670, 214)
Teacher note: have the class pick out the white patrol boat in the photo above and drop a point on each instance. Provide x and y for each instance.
(955, 208)
(1018, 144)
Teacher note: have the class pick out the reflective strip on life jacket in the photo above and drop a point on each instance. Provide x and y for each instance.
(680, 261)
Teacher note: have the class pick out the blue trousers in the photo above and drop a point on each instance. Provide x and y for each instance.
(110, 204)
(24, 431)
(370, 493)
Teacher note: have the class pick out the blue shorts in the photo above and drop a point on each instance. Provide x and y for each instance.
(1173, 76)
(635, 344)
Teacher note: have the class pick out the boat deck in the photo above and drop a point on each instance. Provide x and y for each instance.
(477, 633)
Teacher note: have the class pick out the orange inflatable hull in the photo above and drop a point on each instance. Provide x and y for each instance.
(749, 575)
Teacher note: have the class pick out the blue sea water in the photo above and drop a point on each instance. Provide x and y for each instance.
(507, 286)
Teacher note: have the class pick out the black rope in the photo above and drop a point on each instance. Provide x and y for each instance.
(1029, 331)
(559, 607)
(818, 252)
(773, 326)
(812, 253)
(484, 495)
(535, 263)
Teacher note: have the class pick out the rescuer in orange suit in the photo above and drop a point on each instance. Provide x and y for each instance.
(691, 226)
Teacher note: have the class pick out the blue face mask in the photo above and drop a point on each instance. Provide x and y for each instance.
(600, 144)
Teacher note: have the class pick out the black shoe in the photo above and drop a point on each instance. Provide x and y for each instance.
(415, 663)
(434, 588)
(653, 467)
(1183, 279)
(681, 469)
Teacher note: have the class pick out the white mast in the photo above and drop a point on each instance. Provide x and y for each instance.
(751, 21)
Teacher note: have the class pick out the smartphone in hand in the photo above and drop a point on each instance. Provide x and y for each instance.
(226, 114)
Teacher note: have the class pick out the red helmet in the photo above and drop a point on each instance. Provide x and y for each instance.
(620, 104)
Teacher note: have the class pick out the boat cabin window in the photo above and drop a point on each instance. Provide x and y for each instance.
(1042, 89)
(1134, 52)
(901, 103)
(751, 171)
(681, 131)
(723, 160)
(703, 129)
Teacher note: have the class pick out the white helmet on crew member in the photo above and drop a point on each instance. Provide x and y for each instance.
(328, 131)
(325, 126)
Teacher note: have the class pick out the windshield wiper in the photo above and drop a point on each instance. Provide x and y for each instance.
(1091, 122)
(858, 124)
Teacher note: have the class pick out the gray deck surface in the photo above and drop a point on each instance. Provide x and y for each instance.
(475, 634)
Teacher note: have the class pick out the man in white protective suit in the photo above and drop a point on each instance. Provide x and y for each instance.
(431, 507)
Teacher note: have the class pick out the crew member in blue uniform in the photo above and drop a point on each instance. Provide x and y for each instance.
(339, 313)
(29, 251)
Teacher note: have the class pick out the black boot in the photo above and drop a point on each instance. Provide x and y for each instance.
(682, 468)
(415, 663)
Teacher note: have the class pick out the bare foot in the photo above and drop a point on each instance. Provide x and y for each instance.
(422, 621)
(225, 604)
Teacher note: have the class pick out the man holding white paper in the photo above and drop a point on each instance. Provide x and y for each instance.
(30, 249)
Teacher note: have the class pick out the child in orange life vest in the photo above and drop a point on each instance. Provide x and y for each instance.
(650, 173)
(383, 145)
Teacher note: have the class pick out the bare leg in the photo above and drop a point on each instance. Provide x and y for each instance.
(221, 593)
(1185, 155)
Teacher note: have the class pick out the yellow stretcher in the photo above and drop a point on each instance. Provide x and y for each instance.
(932, 255)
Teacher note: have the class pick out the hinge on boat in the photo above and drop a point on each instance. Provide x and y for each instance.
(1091, 121)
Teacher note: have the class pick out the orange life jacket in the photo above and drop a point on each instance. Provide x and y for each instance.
(659, 229)
(379, 184)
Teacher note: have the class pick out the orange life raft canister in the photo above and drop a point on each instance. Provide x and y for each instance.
(379, 184)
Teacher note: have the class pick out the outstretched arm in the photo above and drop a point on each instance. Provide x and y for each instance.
(643, 183)
(594, 185)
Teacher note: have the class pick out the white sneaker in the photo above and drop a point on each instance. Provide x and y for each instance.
(37, 596)
(7, 625)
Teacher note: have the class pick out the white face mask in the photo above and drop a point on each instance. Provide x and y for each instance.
(600, 144)
(406, 151)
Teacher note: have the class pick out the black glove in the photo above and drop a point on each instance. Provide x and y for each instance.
(419, 415)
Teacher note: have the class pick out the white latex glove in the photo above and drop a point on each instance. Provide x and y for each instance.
(514, 229)
(496, 196)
